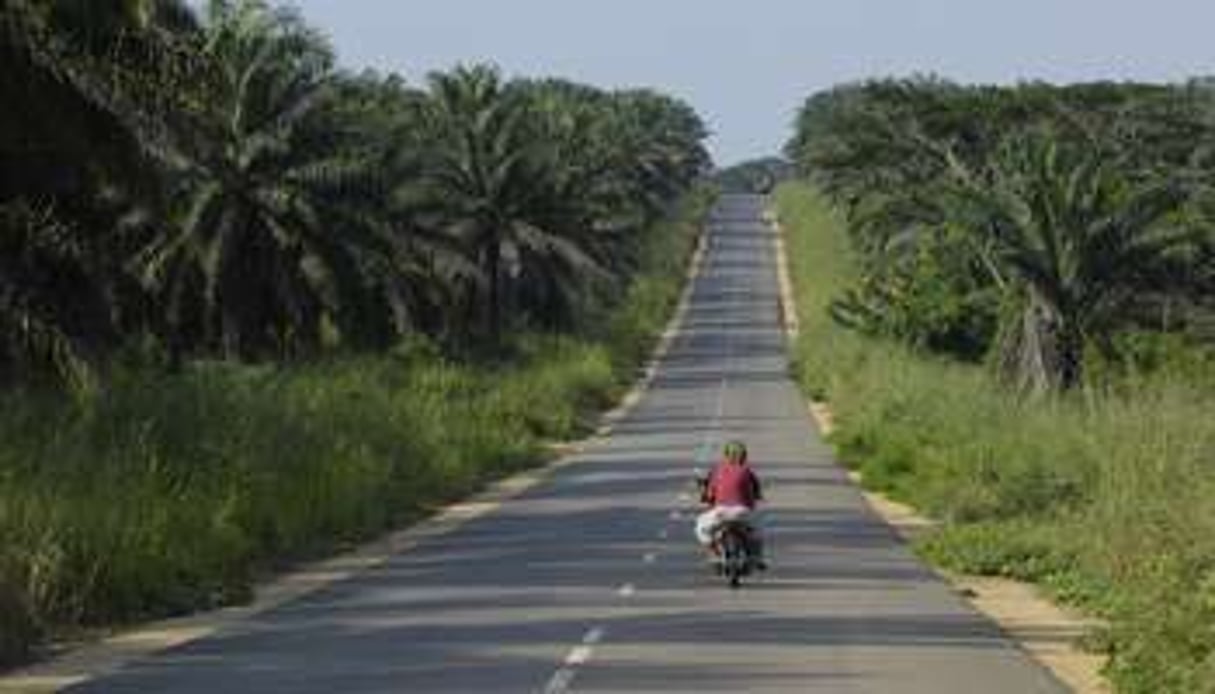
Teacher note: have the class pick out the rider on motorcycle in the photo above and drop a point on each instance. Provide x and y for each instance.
(731, 492)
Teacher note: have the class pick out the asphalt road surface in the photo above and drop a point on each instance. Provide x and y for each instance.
(590, 582)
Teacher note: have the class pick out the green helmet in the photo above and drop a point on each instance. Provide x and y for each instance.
(735, 451)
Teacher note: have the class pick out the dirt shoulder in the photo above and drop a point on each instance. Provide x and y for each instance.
(1049, 632)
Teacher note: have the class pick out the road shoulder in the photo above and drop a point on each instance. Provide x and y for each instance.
(88, 660)
(1049, 633)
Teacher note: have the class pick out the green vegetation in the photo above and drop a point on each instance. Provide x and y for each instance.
(759, 176)
(1005, 292)
(1008, 294)
(1036, 227)
(253, 307)
(211, 186)
(1106, 496)
(173, 492)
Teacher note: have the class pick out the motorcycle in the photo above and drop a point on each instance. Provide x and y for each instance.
(734, 543)
(733, 540)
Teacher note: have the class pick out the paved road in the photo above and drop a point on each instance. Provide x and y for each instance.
(590, 581)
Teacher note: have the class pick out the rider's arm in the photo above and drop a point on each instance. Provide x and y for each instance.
(756, 488)
(707, 494)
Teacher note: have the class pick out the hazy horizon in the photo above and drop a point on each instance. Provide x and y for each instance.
(747, 69)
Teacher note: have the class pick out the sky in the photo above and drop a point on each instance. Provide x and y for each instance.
(747, 66)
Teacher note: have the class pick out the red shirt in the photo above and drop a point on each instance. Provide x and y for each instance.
(732, 485)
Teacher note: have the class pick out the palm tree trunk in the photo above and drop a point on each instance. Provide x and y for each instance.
(1071, 358)
(230, 335)
(493, 260)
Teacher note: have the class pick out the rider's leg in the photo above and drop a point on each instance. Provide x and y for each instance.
(706, 524)
(755, 534)
(745, 515)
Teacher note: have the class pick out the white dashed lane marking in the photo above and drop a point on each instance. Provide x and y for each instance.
(580, 655)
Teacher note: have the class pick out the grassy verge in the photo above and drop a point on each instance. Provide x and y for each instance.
(173, 493)
(1107, 499)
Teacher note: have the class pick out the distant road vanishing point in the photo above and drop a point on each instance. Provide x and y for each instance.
(590, 581)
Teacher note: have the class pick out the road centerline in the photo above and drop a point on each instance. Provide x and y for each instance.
(578, 656)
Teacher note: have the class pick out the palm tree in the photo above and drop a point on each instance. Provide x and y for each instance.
(78, 82)
(660, 147)
(413, 274)
(76, 138)
(493, 182)
(1075, 244)
(53, 317)
(265, 248)
(267, 204)
(617, 162)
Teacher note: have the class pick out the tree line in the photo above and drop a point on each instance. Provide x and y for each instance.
(755, 176)
(1038, 227)
(207, 183)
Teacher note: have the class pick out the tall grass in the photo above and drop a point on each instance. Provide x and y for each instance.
(646, 306)
(1107, 498)
(171, 493)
